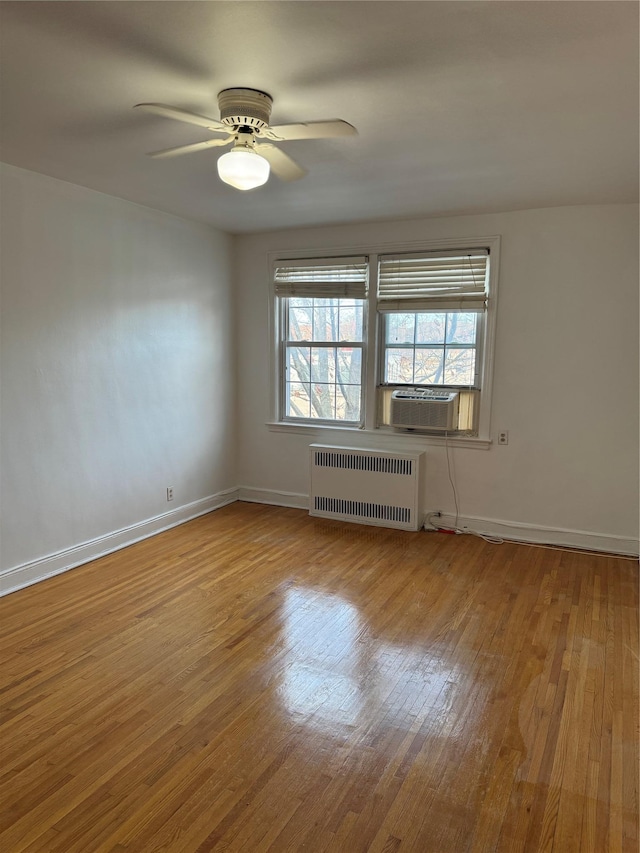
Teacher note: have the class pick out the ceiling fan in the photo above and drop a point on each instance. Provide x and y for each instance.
(244, 119)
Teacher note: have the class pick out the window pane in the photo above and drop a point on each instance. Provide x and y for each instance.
(323, 364)
(323, 401)
(298, 400)
(349, 365)
(400, 328)
(399, 365)
(461, 327)
(301, 322)
(325, 320)
(430, 328)
(298, 364)
(348, 402)
(429, 366)
(459, 366)
(350, 325)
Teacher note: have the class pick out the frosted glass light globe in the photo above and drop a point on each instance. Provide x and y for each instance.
(243, 169)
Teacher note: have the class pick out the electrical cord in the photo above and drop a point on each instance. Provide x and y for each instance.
(571, 550)
(497, 540)
(453, 485)
(494, 540)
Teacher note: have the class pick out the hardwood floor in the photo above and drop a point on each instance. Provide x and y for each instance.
(257, 680)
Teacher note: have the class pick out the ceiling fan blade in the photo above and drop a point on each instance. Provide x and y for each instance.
(184, 115)
(283, 166)
(195, 146)
(312, 130)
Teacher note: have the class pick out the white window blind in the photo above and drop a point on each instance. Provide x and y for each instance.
(322, 278)
(447, 281)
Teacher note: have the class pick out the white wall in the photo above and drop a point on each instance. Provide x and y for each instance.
(565, 378)
(117, 372)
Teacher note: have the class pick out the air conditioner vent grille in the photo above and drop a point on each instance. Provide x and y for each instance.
(361, 462)
(362, 509)
(424, 413)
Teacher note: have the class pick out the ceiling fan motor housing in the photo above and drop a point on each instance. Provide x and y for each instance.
(245, 108)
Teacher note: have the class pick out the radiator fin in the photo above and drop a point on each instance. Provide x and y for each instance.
(360, 462)
(361, 509)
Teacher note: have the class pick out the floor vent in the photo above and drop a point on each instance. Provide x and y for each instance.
(367, 486)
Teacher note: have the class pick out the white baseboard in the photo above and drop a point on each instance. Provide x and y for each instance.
(270, 496)
(26, 574)
(541, 535)
(518, 532)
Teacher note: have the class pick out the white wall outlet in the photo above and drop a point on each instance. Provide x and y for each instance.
(503, 437)
(169, 493)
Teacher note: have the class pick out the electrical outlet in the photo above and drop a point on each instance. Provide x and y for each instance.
(169, 493)
(503, 437)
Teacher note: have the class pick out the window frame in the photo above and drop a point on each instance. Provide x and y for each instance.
(372, 349)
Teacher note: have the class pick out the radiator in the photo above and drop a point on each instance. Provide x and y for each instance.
(367, 486)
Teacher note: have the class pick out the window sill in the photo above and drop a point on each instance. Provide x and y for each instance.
(389, 436)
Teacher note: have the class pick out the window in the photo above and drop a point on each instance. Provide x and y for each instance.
(343, 348)
(432, 308)
(322, 321)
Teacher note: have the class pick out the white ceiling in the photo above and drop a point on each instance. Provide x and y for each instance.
(461, 106)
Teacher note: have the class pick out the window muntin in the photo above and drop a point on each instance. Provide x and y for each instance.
(323, 363)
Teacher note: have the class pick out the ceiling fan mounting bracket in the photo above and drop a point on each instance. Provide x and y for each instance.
(245, 108)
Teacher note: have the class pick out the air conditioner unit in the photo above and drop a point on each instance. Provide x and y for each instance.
(424, 408)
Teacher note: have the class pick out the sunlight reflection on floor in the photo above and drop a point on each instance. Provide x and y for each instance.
(337, 675)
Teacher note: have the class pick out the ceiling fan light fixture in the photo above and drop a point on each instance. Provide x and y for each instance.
(243, 169)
